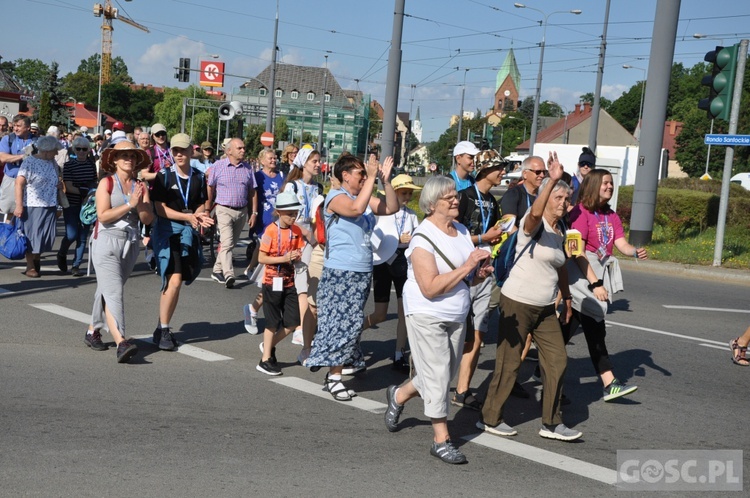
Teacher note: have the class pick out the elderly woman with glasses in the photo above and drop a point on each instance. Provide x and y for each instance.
(79, 176)
(443, 264)
(527, 307)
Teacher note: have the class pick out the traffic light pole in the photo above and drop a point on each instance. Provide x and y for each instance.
(729, 156)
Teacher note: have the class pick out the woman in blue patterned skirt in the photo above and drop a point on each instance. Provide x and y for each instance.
(347, 269)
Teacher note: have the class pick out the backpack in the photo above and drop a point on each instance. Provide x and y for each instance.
(88, 206)
(508, 255)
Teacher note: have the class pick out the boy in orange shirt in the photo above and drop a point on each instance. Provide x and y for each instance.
(280, 246)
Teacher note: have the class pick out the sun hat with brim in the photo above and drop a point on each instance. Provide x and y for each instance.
(287, 201)
(404, 181)
(48, 143)
(117, 137)
(109, 154)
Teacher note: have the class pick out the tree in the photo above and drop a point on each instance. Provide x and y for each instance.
(31, 74)
(604, 102)
(119, 69)
(51, 110)
(626, 108)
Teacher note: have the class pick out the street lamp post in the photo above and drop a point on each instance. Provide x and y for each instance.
(532, 138)
(643, 91)
(74, 111)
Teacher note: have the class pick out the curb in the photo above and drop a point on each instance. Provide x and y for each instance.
(715, 274)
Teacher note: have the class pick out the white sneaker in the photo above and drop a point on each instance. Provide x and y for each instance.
(297, 338)
(251, 320)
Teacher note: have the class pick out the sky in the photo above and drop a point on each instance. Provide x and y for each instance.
(447, 45)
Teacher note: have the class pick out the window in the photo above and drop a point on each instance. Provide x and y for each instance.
(328, 97)
(310, 96)
(295, 94)
(262, 92)
(279, 93)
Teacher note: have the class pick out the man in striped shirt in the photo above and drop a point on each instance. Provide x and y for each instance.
(231, 187)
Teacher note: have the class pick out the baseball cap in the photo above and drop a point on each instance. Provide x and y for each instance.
(107, 132)
(118, 126)
(181, 140)
(404, 181)
(117, 137)
(465, 147)
(157, 128)
(207, 145)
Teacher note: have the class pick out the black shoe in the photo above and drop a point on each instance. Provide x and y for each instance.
(152, 263)
(94, 341)
(229, 282)
(448, 453)
(271, 360)
(76, 272)
(268, 368)
(62, 262)
(218, 277)
(125, 351)
(167, 341)
(518, 391)
(401, 365)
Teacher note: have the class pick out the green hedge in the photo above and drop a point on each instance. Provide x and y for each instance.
(686, 206)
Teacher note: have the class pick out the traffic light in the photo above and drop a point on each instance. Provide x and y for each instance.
(183, 72)
(720, 82)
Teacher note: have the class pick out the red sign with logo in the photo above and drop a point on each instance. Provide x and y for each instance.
(266, 138)
(212, 73)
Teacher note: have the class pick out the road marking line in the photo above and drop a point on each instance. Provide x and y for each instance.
(185, 349)
(701, 308)
(538, 455)
(316, 390)
(723, 348)
(671, 334)
(189, 350)
(545, 457)
(5, 291)
(63, 311)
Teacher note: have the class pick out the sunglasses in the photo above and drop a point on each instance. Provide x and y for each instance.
(586, 164)
(81, 149)
(161, 134)
(538, 172)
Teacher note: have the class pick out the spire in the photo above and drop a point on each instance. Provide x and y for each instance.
(509, 67)
(417, 117)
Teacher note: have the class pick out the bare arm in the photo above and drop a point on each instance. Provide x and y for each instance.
(627, 249)
(432, 283)
(20, 186)
(389, 205)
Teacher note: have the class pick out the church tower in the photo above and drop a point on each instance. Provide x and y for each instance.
(416, 127)
(507, 86)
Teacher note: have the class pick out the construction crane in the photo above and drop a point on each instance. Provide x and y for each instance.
(108, 13)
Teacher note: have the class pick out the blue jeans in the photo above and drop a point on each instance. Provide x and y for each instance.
(75, 231)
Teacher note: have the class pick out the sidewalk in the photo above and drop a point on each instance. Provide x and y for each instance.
(717, 274)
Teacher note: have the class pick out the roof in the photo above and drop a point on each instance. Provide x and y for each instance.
(87, 117)
(303, 79)
(509, 67)
(556, 130)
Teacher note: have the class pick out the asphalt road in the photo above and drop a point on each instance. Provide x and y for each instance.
(204, 422)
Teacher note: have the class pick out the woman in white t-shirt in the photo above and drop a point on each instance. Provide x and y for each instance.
(527, 306)
(442, 264)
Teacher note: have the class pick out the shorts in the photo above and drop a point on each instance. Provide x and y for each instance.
(385, 274)
(480, 303)
(315, 271)
(8, 195)
(177, 262)
(280, 308)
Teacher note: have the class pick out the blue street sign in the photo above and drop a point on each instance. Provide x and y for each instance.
(727, 140)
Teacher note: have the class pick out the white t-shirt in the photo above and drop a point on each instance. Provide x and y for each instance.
(533, 279)
(454, 304)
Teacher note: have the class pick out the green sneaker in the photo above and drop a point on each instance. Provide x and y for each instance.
(617, 389)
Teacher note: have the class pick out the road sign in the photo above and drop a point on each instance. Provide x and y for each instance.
(212, 73)
(266, 139)
(433, 167)
(727, 140)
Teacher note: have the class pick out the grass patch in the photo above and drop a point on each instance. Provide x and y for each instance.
(697, 248)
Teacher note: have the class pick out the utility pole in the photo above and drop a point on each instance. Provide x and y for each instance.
(392, 81)
(272, 84)
(654, 114)
(594, 130)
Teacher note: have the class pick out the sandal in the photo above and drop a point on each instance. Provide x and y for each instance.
(739, 353)
(337, 389)
(466, 400)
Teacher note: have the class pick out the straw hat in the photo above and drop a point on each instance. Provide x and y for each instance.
(108, 156)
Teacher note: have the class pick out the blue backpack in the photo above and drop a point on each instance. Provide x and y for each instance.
(507, 256)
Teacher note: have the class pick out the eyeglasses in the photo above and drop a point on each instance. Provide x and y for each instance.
(538, 172)
(450, 198)
(161, 134)
(82, 149)
(357, 170)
